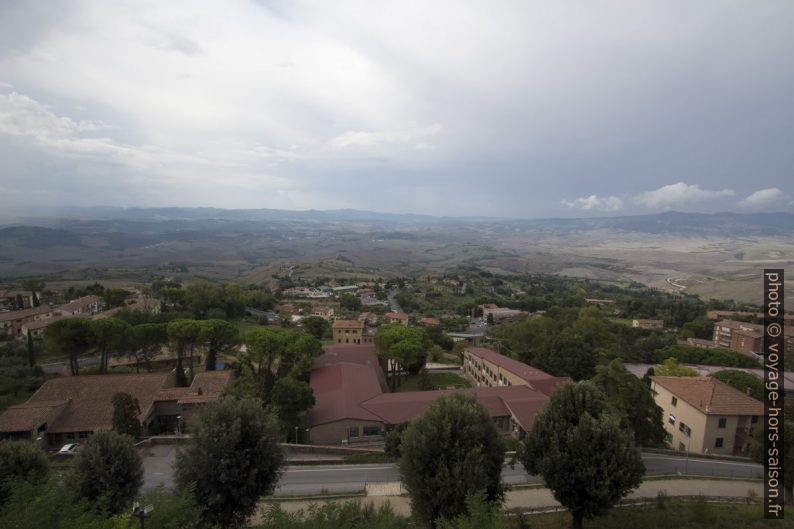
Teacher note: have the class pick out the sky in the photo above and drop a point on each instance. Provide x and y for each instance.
(514, 109)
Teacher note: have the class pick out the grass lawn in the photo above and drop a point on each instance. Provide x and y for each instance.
(437, 380)
(246, 327)
(676, 514)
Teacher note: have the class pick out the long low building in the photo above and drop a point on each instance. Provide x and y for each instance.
(353, 402)
(70, 409)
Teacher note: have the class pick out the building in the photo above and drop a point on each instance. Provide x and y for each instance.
(326, 313)
(739, 336)
(788, 319)
(12, 323)
(429, 322)
(16, 299)
(704, 415)
(648, 324)
(471, 338)
(499, 313)
(600, 302)
(305, 292)
(353, 403)
(70, 409)
(85, 305)
(487, 368)
(369, 318)
(369, 335)
(397, 317)
(347, 331)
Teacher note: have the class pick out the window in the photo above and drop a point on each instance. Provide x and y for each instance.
(682, 427)
(754, 419)
(70, 436)
(353, 431)
(674, 401)
(371, 430)
(718, 442)
(681, 447)
(722, 422)
(671, 419)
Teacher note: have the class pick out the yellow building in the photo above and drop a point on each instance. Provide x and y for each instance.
(348, 331)
(706, 416)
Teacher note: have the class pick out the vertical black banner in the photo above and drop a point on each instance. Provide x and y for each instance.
(774, 345)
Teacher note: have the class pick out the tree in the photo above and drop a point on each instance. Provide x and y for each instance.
(452, 451)
(633, 400)
(785, 454)
(21, 460)
(31, 350)
(200, 297)
(146, 342)
(233, 458)
(274, 353)
(34, 285)
(291, 399)
(71, 337)
(567, 355)
(125, 415)
(671, 368)
(184, 336)
(350, 302)
(110, 336)
(579, 448)
(399, 348)
(108, 471)
(220, 337)
(316, 326)
(115, 297)
(742, 381)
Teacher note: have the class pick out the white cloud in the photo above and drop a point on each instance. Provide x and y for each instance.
(764, 198)
(596, 203)
(364, 139)
(680, 194)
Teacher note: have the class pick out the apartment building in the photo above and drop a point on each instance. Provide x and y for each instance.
(648, 324)
(706, 416)
(487, 368)
(347, 331)
(739, 336)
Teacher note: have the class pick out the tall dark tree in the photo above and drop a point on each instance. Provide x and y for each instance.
(34, 285)
(148, 340)
(577, 444)
(31, 350)
(291, 399)
(108, 471)
(233, 459)
(110, 337)
(219, 337)
(185, 336)
(126, 410)
(70, 337)
(452, 451)
(316, 326)
(633, 401)
(401, 348)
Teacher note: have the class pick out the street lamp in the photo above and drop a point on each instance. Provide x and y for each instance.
(141, 514)
(296, 435)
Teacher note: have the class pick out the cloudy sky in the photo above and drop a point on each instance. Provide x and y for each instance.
(525, 109)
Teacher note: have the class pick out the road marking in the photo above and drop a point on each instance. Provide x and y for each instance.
(691, 459)
(337, 468)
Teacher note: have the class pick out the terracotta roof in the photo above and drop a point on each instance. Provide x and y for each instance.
(343, 377)
(80, 303)
(90, 407)
(528, 373)
(24, 418)
(39, 324)
(522, 402)
(711, 396)
(207, 386)
(429, 321)
(396, 315)
(24, 313)
(740, 325)
(348, 324)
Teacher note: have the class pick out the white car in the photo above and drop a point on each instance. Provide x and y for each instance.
(70, 448)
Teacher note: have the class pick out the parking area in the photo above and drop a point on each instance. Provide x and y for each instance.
(157, 461)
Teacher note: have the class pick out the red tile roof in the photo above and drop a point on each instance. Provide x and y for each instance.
(396, 316)
(89, 398)
(711, 396)
(24, 313)
(348, 324)
(520, 369)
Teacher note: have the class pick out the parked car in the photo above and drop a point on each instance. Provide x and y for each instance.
(69, 448)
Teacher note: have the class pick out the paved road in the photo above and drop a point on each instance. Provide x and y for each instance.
(58, 367)
(394, 305)
(344, 478)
